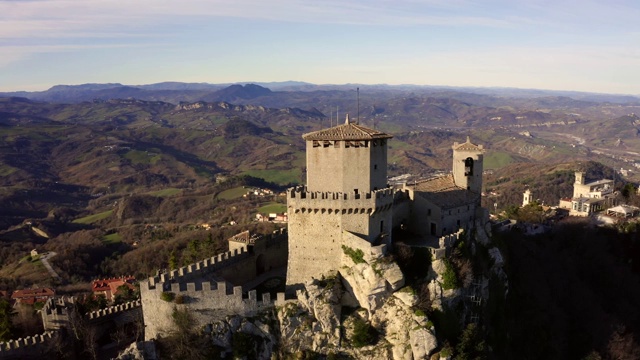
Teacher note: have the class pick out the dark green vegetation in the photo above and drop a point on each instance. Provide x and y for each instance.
(572, 293)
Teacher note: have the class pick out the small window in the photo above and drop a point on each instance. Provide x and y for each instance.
(316, 143)
(429, 212)
(375, 167)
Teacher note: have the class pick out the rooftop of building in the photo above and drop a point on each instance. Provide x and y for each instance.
(28, 293)
(444, 192)
(588, 200)
(106, 284)
(467, 146)
(346, 131)
(599, 182)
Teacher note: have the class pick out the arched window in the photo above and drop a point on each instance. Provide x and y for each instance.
(468, 167)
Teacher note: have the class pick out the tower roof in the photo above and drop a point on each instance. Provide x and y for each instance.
(346, 131)
(467, 146)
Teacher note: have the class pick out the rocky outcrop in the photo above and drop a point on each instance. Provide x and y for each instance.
(257, 335)
(371, 283)
(313, 321)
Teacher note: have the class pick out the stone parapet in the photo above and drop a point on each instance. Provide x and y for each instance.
(301, 200)
(22, 346)
(200, 268)
(445, 243)
(114, 309)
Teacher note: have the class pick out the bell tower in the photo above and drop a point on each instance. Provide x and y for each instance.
(468, 166)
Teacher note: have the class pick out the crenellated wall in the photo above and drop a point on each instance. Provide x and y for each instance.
(106, 313)
(319, 223)
(206, 288)
(444, 244)
(207, 302)
(31, 347)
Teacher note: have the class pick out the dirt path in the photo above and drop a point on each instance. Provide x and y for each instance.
(45, 261)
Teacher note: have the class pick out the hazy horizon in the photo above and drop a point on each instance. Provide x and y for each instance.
(584, 46)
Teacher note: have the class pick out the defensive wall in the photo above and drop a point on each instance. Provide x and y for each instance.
(206, 288)
(301, 200)
(31, 347)
(239, 265)
(55, 316)
(207, 302)
(444, 244)
(319, 223)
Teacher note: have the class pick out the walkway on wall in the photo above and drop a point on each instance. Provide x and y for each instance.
(280, 272)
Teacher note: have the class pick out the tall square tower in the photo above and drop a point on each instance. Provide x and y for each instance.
(346, 199)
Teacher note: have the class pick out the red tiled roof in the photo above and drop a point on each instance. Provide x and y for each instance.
(443, 192)
(105, 284)
(30, 296)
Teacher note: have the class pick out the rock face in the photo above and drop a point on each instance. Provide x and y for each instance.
(372, 283)
(401, 327)
(313, 322)
(258, 335)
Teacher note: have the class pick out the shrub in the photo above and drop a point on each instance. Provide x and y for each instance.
(449, 277)
(419, 312)
(167, 296)
(356, 255)
(363, 334)
(179, 299)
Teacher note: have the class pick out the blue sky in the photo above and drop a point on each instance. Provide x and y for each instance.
(545, 44)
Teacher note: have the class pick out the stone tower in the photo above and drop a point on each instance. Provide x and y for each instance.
(579, 178)
(527, 198)
(467, 165)
(346, 200)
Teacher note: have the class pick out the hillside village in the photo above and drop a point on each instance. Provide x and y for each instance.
(340, 280)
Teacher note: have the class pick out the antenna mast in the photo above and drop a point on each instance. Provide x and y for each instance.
(358, 96)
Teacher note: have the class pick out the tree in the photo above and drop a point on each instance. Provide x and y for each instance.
(6, 325)
(471, 345)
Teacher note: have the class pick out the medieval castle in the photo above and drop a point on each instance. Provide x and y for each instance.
(346, 203)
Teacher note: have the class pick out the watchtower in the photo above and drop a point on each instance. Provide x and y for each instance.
(467, 165)
(346, 200)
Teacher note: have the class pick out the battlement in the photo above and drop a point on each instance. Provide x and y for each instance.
(207, 301)
(218, 290)
(114, 309)
(445, 243)
(300, 192)
(300, 200)
(8, 347)
(199, 268)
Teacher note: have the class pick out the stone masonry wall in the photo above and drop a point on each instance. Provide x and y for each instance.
(206, 302)
(317, 221)
(31, 347)
(209, 301)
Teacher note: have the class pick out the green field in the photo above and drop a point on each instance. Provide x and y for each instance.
(233, 193)
(93, 218)
(142, 157)
(165, 192)
(111, 239)
(272, 207)
(282, 177)
(6, 170)
(496, 160)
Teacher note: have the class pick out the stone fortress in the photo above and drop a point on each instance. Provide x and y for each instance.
(346, 204)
